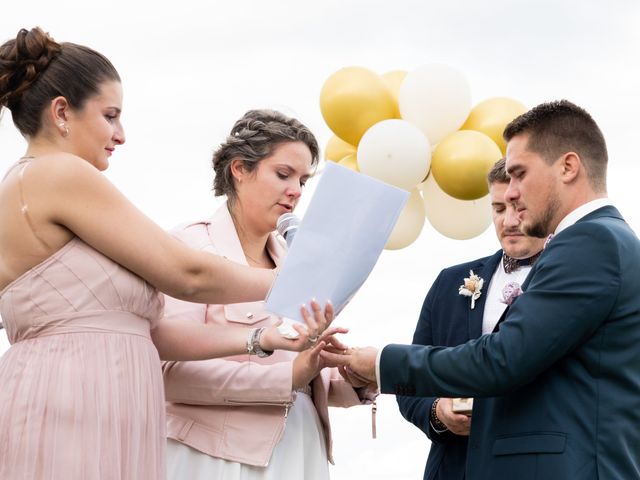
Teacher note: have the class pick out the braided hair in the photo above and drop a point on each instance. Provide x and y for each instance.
(254, 137)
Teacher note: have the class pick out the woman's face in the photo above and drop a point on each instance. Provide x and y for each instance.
(274, 186)
(95, 130)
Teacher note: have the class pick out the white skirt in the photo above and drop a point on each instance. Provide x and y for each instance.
(300, 454)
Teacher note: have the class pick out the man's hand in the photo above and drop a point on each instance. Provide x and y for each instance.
(361, 362)
(455, 422)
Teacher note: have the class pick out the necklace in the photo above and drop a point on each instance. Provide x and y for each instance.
(239, 230)
(255, 261)
(25, 158)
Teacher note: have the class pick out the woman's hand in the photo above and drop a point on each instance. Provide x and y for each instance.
(315, 328)
(307, 366)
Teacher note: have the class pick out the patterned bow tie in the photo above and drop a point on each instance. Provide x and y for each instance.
(512, 264)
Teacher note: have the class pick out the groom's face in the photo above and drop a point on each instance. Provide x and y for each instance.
(533, 189)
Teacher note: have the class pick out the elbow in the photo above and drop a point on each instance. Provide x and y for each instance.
(187, 285)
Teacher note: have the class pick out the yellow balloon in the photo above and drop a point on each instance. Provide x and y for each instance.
(354, 99)
(337, 149)
(461, 161)
(491, 116)
(393, 80)
(350, 161)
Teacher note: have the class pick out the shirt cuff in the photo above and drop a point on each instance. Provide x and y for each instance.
(378, 370)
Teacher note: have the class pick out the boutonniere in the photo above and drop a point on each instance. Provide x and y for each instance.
(510, 292)
(472, 287)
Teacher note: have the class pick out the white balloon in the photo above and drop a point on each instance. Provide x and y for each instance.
(453, 218)
(409, 224)
(395, 152)
(436, 98)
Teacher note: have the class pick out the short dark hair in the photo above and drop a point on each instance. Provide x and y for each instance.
(559, 127)
(498, 173)
(35, 69)
(254, 137)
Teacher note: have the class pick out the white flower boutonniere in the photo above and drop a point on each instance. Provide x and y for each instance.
(472, 287)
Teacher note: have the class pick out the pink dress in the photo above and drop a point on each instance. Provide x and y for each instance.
(81, 393)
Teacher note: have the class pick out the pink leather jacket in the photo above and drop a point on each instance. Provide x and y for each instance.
(235, 408)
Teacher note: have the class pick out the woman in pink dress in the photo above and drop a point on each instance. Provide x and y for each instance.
(80, 270)
(241, 417)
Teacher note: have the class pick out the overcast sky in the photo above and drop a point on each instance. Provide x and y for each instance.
(191, 68)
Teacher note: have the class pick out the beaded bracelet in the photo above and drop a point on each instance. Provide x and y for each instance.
(435, 422)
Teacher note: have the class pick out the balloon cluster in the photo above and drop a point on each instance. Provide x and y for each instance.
(418, 131)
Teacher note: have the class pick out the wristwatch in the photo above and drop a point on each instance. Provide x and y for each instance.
(253, 343)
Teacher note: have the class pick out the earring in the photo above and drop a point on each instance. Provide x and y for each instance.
(66, 130)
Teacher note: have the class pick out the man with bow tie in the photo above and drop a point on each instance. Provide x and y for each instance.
(557, 387)
(448, 318)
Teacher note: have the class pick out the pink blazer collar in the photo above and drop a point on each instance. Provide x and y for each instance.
(224, 238)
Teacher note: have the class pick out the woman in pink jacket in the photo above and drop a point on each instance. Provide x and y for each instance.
(260, 416)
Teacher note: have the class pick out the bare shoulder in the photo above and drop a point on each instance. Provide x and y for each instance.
(62, 169)
(63, 177)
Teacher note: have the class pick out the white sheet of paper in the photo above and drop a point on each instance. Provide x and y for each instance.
(340, 238)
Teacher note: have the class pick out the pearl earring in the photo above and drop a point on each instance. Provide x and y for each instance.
(66, 130)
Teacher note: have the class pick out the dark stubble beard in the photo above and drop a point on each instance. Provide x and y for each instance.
(542, 228)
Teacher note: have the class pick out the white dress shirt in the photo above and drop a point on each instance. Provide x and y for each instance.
(494, 306)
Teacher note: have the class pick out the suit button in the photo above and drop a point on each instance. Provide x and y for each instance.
(249, 315)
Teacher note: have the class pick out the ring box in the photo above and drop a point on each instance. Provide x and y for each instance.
(463, 406)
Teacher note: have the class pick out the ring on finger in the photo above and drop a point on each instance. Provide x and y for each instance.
(313, 339)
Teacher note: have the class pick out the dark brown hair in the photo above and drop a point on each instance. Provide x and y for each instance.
(254, 137)
(498, 173)
(35, 69)
(556, 128)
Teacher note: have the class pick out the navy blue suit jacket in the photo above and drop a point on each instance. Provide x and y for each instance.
(447, 319)
(564, 365)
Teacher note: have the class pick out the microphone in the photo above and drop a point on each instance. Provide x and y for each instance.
(287, 226)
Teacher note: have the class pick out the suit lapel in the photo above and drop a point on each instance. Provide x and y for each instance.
(500, 320)
(485, 271)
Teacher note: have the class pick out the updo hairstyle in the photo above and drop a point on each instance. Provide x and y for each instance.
(35, 69)
(254, 137)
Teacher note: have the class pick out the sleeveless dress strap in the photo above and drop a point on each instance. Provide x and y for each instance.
(23, 204)
(18, 163)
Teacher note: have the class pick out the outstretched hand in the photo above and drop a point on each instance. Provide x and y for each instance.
(308, 335)
(358, 364)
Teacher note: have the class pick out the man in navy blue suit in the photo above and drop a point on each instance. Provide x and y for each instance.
(561, 375)
(447, 318)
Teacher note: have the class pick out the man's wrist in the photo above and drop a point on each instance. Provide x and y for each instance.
(434, 421)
